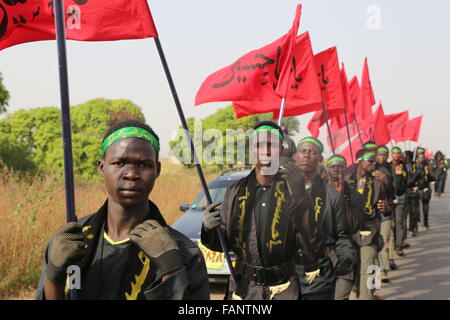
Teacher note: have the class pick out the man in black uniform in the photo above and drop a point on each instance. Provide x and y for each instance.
(415, 174)
(375, 204)
(354, 214)
(266, 218)
(425, 187)
(330, 215)
(125, 250)
(398, 168)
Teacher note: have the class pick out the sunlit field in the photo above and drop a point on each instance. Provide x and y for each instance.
(32, 209)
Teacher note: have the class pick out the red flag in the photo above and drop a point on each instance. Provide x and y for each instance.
(253, 77)
(395, 123)
(380, 128)
(411, 131)
(366, 99)
(354, 90)
(318, 120)
(28, 21)
(356, 146)
(303, 91)
(327, 67)
(339, 134)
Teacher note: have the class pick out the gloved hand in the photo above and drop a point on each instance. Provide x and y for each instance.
(343, 266)
(157, 244)
(68, 248)
(211, 216)
(295, 180)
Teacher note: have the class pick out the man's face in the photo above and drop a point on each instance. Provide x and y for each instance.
(368, 165)
(308, 157)
(396, 156)
(382, 157)
(421, 157)
(129, 169)
(267, 148)
(335, 169)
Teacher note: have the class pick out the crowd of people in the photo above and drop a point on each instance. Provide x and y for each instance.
(301, 227)
(322, 228)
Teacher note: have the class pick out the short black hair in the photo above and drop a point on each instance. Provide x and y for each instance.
(409, 154)
(268, 123)
(360, 153)
(131, 123)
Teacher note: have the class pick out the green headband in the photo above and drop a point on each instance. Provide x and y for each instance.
(396, 149)
(312, 140)
(267, 128)
(369, 146)
(129, 132)
(420, 150)
(337, 157)
(383, 148)
(367, 156)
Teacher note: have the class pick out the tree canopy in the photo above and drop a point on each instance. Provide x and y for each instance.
(31, 141)
(4, 96)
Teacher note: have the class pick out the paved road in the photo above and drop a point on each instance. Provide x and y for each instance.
(424, 271)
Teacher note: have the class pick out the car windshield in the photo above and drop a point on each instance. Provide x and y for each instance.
(217, 194)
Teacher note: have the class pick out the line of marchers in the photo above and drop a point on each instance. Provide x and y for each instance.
(245, 309)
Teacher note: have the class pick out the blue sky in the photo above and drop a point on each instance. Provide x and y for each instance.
(408, 57)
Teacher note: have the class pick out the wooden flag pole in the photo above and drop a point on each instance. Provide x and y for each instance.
(193, 153)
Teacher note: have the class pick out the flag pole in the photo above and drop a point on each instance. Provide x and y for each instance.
(357, 128)
(348, 135)
(328, 126)
(65, 111)
(280, 118)
(65, 117)
(193, 153)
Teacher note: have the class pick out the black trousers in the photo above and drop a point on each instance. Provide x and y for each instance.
(414, 214)
(425, 211)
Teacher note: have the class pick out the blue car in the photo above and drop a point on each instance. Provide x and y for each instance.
(190, 223)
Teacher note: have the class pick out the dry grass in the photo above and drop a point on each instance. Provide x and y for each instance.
(31, 210)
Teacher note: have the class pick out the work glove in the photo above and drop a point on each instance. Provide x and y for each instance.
(295, 180)
(211, 216)
(69, 247)
(343, 266)
(157, 244)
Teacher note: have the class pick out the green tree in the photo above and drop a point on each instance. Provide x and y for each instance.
(31, 139)
(4, 96)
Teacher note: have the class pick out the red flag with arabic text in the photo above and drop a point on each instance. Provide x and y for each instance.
(254, 76)
(27, 21)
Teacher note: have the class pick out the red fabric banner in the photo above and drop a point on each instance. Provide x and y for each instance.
(395, 123)
(366, 99)
(356, 146)
(411, 131)
(86, 20)
(303, 93)
(253, 77)
(354, 90)
(380, 128)
(339, 134)
(327, 66)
